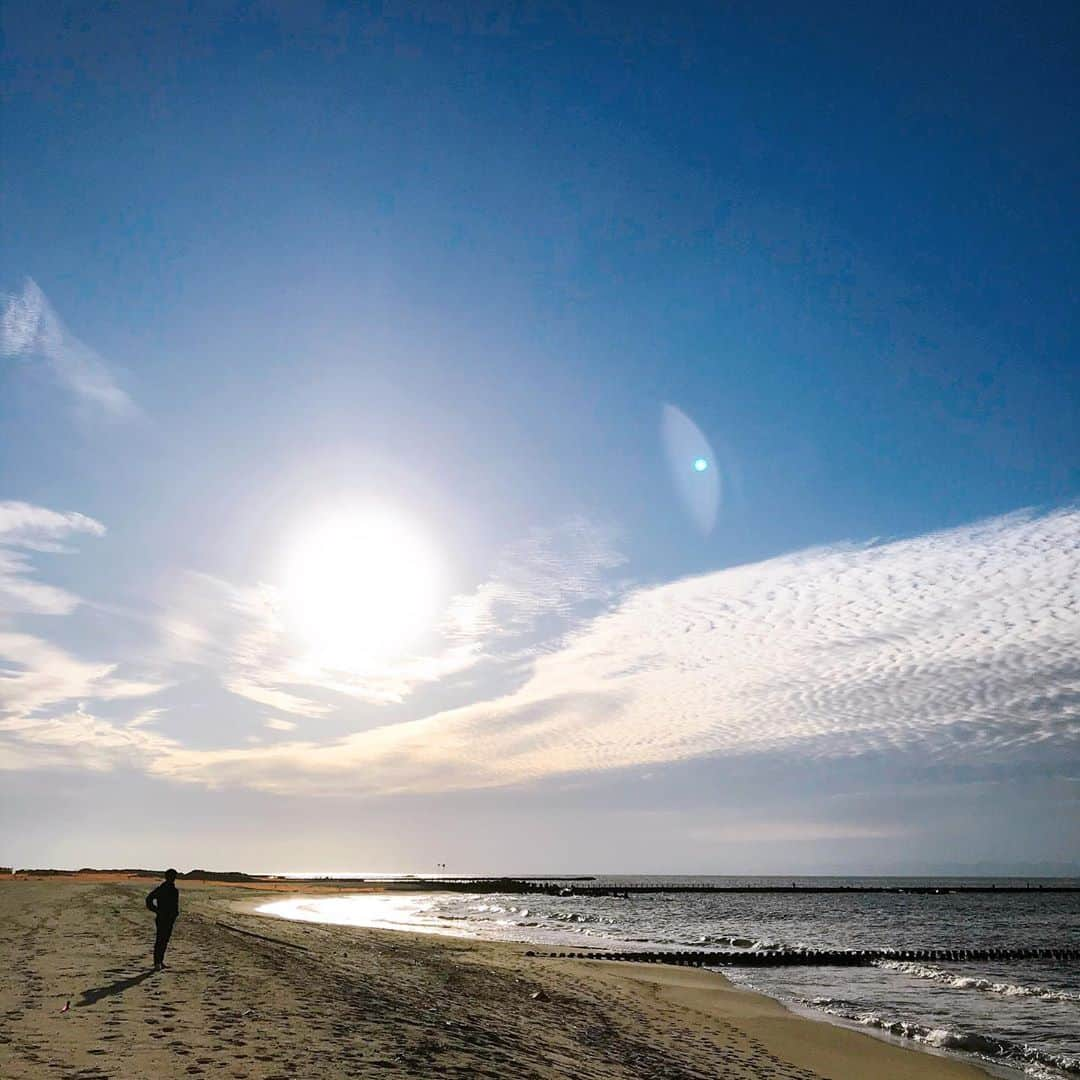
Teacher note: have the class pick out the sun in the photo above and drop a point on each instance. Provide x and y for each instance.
(359, 587)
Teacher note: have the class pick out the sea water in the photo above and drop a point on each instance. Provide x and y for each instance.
(1021, 1014)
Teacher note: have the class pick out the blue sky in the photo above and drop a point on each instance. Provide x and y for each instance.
(274, 272)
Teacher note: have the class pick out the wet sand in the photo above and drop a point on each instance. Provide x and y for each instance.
(250, 996)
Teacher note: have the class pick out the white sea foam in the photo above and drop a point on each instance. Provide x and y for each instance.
(579, 917)
(1035, 1062)
(972, 982)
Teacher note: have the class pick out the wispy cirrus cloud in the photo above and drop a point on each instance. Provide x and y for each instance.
(955, 646)
(233, 631)
(40, 529)
(28, 528)
(549, 574)
(38, 677)
(30, 328)
(237, 630)
(78, 739)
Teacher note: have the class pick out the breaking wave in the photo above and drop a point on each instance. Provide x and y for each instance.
(971, 982)
(995, 1049)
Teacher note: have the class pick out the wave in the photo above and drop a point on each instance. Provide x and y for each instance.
(1002, 1051)
(971, 982)
(580, 917)
(726, 942)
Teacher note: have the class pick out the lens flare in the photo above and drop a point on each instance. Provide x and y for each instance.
(698, 486)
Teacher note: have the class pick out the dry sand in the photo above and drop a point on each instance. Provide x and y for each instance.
(247, 995)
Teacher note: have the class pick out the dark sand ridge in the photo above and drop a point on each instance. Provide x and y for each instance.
(248, 995)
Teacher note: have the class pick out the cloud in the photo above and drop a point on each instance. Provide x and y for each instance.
(147, 716)
(549, 574)
(18, 593)
(38, 677)
(34, 528)
(234, 632)
(77, 739)
(40, 529)
(756, 832)
(958, 646)
(35, 678)
(237, 630)
(29, 327)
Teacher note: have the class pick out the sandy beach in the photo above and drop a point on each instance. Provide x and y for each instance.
(250, 996)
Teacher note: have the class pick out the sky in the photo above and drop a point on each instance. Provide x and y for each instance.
(540, 437)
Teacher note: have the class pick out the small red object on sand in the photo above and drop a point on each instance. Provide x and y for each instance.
(66, 1007)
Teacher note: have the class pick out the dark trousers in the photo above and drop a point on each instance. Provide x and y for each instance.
(164, 932)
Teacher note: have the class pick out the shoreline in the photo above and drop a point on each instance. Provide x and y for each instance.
(810, 1015)
(258, 996)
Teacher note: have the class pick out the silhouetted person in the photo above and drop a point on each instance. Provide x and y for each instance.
(164, 902)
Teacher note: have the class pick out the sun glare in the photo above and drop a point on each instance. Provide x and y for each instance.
(359, 588)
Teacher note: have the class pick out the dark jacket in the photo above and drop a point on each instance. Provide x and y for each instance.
(165, 900)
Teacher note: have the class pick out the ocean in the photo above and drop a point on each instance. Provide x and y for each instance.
(1017, 1015)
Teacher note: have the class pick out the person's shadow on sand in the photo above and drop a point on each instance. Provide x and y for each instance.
(90, 997)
